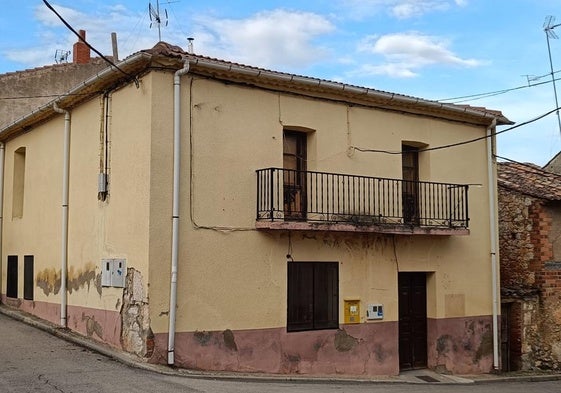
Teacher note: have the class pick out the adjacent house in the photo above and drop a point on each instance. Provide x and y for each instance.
(530, 248)
(24, 91)
(218, 216)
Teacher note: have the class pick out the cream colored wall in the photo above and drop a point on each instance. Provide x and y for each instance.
(234, 277)
(230, 275)
(116, 228)
(41, 220)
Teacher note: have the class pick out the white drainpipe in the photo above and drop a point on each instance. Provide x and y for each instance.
(2, 152)
(64, 235)
(493, 238)
(175, 213)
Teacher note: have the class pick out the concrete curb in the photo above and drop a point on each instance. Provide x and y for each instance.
(134, 362)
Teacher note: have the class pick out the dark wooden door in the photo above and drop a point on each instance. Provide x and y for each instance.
(412, 320)
(294, 162)
(410, 192)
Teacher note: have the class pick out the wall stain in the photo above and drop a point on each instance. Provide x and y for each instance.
(229, 340)
(77, 279)
(485, 347)
(443, 344)
(202, 338)
(344, 342)
(379, 353)
(49, 281)
(92, 326)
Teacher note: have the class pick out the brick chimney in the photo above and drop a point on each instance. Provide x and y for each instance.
(80, 51)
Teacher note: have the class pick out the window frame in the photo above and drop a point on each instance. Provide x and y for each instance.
(312, 296)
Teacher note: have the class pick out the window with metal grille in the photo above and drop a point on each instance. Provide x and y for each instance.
(313, 296)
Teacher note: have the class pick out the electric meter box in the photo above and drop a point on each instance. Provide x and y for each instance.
(352, 311)
(374, 311)
(113, 272)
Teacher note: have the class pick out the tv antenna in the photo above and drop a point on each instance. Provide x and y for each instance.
(61, 56)
(548, 27)
(156, 17)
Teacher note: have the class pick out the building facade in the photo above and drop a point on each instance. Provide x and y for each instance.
(217, 216)
(529, 238)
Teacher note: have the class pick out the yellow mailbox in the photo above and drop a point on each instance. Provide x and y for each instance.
(352, 311)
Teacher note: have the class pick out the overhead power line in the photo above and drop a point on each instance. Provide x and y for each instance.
(478, 96)
(132, 77)
(395, 152)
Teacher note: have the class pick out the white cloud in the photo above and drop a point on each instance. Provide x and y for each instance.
(52, 34)
(268, 39)
(401, 9)
(405, 53)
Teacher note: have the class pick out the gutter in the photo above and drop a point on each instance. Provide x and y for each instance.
(2, 154)
(64, 233)
(493, 239)
(344, 88)
(175, 212)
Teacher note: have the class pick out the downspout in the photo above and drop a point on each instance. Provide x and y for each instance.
(2, 153)
(493, 239)
(64, 236)
(175, 212)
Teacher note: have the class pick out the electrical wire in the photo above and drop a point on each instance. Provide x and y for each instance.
(394, 152)
(472, 97)
(132, 77)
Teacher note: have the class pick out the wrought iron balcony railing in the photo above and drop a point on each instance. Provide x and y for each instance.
(320, 197)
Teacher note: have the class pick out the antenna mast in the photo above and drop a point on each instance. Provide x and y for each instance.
(548, 27)
(156, 17)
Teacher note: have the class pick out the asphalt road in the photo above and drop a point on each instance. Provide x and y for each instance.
(35, 361)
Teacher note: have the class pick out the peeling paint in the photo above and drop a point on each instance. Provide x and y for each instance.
(229, 340)
(92, 326)
(344, 342)
(136, 335)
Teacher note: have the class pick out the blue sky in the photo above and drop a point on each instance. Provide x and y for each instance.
(433, 49)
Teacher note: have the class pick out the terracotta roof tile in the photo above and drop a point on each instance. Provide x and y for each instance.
(529, 179)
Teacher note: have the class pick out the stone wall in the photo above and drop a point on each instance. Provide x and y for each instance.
(516, 244)
(529, 233)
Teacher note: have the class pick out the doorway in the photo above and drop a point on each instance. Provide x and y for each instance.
(412, 320)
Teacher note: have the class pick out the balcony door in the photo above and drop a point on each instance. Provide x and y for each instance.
(409, 192)
(294, 165)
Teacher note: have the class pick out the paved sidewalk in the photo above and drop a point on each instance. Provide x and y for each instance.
(410, 377)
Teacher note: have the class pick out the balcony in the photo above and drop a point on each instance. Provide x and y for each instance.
(320, 201)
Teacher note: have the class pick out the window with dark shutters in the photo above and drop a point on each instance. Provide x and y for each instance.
(313, 296)
(12, 277)
(28, 277)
